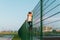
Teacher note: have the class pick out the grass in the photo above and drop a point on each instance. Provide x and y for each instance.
(16, 37)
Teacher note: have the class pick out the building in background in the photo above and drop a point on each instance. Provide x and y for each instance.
(47, 29)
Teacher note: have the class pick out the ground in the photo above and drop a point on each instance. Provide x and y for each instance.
(16, 37)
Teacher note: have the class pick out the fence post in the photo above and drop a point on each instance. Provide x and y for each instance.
(41, 22)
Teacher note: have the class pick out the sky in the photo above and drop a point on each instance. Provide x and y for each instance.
(14, 12)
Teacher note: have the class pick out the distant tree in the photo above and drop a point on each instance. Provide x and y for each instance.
(54, 31)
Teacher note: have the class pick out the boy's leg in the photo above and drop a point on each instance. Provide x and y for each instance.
(30, 25)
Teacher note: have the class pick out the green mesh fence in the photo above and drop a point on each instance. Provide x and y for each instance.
(24, 32)
(46, 21)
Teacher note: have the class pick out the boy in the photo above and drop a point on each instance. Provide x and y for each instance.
(29, 20)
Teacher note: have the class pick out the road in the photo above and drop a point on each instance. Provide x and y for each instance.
(47, 38)
(51, 38)
(6, 37)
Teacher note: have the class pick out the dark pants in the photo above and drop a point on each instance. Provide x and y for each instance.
(30, 25)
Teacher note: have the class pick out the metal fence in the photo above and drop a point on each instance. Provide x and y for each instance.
(50, 21)
(24, 32)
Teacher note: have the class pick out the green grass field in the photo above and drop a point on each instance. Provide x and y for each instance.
(16, 37)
